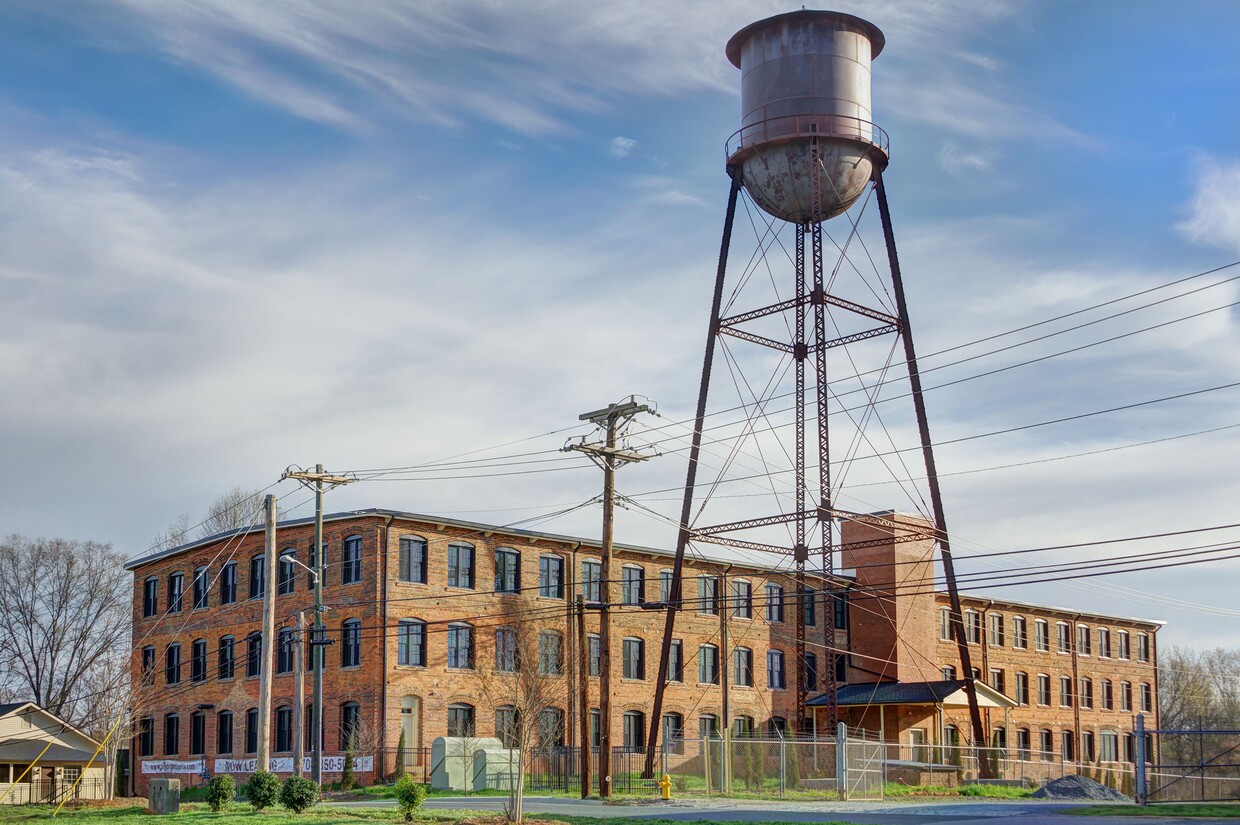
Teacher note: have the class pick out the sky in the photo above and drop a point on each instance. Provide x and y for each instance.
(236, 237)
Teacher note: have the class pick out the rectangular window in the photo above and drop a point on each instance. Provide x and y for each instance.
(1087, 746)
(996, 629)
(676, 662)
(632, 585)
(551, 577)
(286, 573)
(1020, 634)
(1108, 695)
(198, 661)
(351, 562)
(665, 586)
(1047, 744)
(1024, 744)
(775, 669)
(997, 680)
(1108, 746)
(1067, 744)
(150, 597)
(1083, 644)
(284, 730)
(809, 601)
(412, 566)
(1064, 639)
(286, 649)
(506, 650)
(351, 643)
(708, 594)
(634, 659)
(840, 604)
(198, 734)
(1022, 689)
(146, 737)
(148, 665)
(1104, 643)
(550, 660)
(253, 655)
(1121, 638)
(172, 664)
(742, 600)
(461, 565)
(228, 583)
(172, 735)
(1044, 689)
(591, 579)
(225, 658)
(708, 665)
(223, 732)
(176, 592)
(411, 643)
(1065, 691)
(1143, 647)
(945, 624)
(1125, 696)
(251, 730)
(1147, 698)
(593, 646)
(774, 603)
(1041, 636)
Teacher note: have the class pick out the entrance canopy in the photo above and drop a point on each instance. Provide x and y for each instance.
(948, 693)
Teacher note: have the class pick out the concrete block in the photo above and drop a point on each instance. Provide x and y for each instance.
(164, 796)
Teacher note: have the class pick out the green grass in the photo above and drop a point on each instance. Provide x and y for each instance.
(1229, 810)
(895, 789)
(197, 813)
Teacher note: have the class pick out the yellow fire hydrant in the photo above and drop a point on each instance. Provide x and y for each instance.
(665, 787)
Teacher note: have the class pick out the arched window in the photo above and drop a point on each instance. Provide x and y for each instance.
(742, 667)
(673, 727)
(228, 583)
(461, 565)
(506, 654)
(350, 725)
(253, 654)
(461, 646)
(176, 592)
(351, 562)
(286, 649)
(202, 583)
(549, 659)
(412, 567)
(551, 577)
(634, 730)
(634, 658)
(775, 669)
(284, 729)
(146, 737)
(742, 727)
(197, 733)
(507, 570)
(708, 665)
(632, 584)
(351, 643)
(257, 577)
(148, 665)
(224, 665)
(288, 572)
(460, 719)
(550, 728)
(777, 726)
(150, 597)
(506, 730)
(172, 664)
(708, 726)
(224, 732)
(251, 730)
(172, 734)
(198, 661)
(411, 643)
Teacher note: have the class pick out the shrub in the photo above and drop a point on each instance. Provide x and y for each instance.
(298, 794)
(220, 791)
(262, 789)
(680, 783)
(400, 756)
(409, 796)
(346, 775)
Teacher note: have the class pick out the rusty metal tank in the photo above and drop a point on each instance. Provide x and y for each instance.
(805, 95)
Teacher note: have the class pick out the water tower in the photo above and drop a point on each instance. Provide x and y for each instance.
(807, 151)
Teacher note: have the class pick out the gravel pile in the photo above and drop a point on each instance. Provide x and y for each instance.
(1079, 787)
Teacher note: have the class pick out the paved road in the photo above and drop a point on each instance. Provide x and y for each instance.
(902, 812)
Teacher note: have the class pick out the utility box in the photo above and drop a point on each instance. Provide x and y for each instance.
(496, 770)
(452, 760)
(163, 796)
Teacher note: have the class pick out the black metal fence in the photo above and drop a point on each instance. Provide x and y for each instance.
(559, 769)
(416, 761)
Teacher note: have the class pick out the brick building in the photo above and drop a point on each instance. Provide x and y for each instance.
(416, 602)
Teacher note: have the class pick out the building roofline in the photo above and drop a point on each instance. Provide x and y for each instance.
(1068, 611)
(404, 515)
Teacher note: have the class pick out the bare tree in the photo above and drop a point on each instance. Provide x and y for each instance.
(177, 533)
(64, 621)
(234, 509)
(524, 684)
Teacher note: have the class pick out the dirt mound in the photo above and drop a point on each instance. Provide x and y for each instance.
(1079, 787)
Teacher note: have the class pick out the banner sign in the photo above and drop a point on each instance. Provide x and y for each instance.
(174, 765)
(284, 764)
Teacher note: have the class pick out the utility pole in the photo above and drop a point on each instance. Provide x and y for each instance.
(299, 692)
(583, 693)
(724, 602)
(268, 636)
(317, 481)
(608, 456)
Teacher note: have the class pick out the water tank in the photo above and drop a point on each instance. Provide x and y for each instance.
(805, 83)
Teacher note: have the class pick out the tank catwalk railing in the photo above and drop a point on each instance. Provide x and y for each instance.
(807, 126)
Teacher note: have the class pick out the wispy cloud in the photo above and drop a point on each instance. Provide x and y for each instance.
(620, 147)
(1214, 213)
